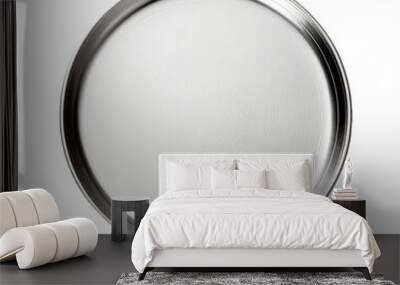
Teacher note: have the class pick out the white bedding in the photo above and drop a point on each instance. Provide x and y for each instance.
(250, 218)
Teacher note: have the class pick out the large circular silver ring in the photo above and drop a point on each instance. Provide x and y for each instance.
(294, 13)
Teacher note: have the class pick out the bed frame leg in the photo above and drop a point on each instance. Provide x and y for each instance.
(142, 275)
(364, 271)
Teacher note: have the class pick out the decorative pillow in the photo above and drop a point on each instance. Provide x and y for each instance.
(182, 177)
(236, 179)
(251, 178)
(281, 174)
(223, 179)
(183, 174)
(287, 179)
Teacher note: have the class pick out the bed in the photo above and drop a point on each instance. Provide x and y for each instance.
(247, 211)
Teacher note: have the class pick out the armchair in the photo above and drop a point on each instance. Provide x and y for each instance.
(32, 233)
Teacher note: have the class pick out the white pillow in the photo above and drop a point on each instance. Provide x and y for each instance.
(282, 174)
(184, 177)
(287, 179)
(251, 178)
(193, 173)
(236, 179)
(223, 179)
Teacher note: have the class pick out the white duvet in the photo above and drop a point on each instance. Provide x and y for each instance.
(250, 218)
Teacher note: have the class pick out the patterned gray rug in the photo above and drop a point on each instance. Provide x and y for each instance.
(269, 278)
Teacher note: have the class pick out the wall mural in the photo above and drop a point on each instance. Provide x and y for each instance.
(201, 76)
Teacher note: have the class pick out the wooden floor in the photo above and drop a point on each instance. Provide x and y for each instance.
(110, 260)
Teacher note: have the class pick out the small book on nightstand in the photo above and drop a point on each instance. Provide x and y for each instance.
(344, 194)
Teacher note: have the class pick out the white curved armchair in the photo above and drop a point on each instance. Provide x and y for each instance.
(31, 230)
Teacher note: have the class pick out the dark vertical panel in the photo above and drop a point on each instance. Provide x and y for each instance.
(116, 220)
(8, 97)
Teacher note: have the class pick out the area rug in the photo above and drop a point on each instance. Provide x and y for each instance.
(269, 278)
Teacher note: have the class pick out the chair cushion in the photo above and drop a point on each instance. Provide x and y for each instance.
(27, 208)
(7, 220)
(23, 208)
(45, 205)
(67, 239)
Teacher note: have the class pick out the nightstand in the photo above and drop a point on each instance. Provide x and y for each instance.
(121, 204)
(357, 206)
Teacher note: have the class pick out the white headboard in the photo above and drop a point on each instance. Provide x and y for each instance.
(164, 158)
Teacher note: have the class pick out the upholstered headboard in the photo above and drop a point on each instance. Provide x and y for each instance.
(165, 158)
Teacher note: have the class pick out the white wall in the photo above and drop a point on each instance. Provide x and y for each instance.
(50, 32)
(367, 36)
